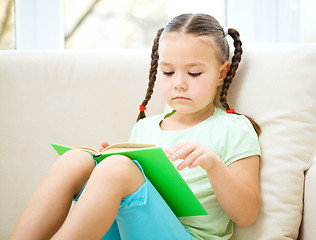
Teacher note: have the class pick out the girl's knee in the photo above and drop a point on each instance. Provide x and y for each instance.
(116, 163)
(71, 171)
(76, 155)
(76, 161)
(120, 168)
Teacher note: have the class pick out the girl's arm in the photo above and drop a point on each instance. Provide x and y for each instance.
(236, 186)
(237, 189)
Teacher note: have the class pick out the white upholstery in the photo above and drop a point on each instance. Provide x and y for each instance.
(276, 87)
(85, 97)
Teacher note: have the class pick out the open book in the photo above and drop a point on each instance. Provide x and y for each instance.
(158, 169)
(114, 148)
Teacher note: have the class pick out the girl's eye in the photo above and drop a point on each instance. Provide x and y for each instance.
(168, 73)
(195, 74)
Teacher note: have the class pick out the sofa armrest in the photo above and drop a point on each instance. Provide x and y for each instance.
(308, 227)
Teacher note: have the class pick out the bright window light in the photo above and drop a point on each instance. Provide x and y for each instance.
(104, 24)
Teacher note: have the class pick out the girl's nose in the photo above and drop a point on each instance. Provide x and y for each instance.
(179, 82)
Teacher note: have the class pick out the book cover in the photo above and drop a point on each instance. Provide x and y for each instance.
(161, 173)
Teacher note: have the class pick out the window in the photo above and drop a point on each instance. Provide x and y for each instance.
(104, 24)
(7, 30)
(308, 20)
(276, 21)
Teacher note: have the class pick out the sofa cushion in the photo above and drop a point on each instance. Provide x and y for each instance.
(276, 85)
(73, 97)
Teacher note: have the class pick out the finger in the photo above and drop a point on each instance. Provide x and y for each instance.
(167, 152)
(170, 152)
(105, 144)
(176, 147)
(190, 159)
(198, 161)
(183, 151)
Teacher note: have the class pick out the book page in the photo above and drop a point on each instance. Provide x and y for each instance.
(119, 147)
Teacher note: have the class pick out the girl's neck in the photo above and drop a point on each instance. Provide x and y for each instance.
(180, 121)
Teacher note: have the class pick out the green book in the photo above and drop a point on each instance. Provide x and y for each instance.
(158, 169)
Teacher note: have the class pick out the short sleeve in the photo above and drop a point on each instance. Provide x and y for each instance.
(133, 136)
(240, 141)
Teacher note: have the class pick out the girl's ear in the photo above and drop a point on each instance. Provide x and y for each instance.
(223, 73)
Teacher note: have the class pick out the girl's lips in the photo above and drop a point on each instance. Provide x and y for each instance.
(181, 98)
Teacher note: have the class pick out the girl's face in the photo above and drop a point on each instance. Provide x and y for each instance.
(190, 73)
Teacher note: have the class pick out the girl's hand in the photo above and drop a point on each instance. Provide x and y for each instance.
(104, 145)
(193, 154)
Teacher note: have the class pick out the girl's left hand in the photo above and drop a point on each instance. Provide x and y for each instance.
(193, 154)
(104, 145)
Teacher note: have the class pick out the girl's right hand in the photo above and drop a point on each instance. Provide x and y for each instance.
(104, 145)
(193, 154)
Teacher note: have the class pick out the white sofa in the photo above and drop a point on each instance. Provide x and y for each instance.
(85, 97)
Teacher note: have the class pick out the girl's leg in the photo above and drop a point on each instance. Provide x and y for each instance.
(113, 179)
(145, 215)
(49, 206)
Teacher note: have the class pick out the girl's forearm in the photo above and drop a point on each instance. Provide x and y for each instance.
(238, 195)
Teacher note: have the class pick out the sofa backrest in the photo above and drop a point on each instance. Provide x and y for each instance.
(77, 98)
(275, 85)
(85, 97)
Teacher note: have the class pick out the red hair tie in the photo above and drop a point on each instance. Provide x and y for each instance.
(142, 108)
(231, 110)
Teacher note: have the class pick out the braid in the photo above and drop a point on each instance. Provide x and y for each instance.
(231, 74)
(152, 73)
(234, 65)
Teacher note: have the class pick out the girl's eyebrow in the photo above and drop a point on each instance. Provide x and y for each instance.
(196, 64)
(165, 63)
(189, 65)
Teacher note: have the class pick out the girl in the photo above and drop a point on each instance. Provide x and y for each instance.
(216, 152)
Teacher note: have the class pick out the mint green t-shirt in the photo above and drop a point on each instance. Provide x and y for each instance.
(230, 136)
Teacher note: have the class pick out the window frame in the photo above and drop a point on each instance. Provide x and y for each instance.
(35, 24)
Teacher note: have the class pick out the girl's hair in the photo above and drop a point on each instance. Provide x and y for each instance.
(208, 28)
